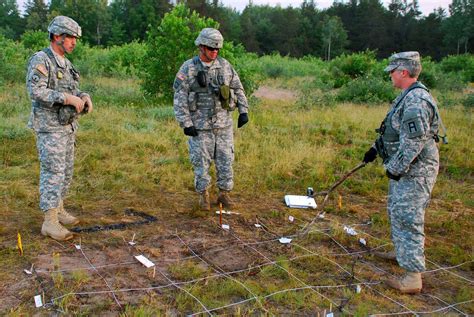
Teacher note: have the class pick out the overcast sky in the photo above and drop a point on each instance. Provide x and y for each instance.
(426, 6)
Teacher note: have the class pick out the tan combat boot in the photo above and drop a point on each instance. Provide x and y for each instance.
(409, 284)
(204, 201)
(224, 199)
(51, 226)
(391, 256)
(64, 217)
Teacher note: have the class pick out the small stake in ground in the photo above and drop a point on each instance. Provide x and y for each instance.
(220, 214)
(339, 202)
(132, 243)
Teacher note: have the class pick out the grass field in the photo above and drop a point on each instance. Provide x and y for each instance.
(132, 154)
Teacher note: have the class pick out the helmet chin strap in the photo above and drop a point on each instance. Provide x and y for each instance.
(60, 43)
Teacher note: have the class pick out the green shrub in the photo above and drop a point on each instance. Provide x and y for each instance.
(114, 61)
(238, 57)
(367, 90)
(430, 74)
(171, 44)
(347, 67)
(13, 58)
(34, 40)
(275, 65)
(461, 65)
(469, 101)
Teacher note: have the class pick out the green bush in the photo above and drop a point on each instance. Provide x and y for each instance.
(35, 40)
(238, 57)
(461, 65)
(275, 65)
(114, 61)
(347, 67)
(468, 101)
(169, 46)
(430, 74)
(367, 90)
(13, 58)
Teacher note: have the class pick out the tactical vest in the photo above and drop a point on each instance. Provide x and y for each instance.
(388, 142)
(67, 83)
(205, 92)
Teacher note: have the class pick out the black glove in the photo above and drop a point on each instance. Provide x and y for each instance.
(391, 176)
(191, 131)
(370, 155)
(243, 119)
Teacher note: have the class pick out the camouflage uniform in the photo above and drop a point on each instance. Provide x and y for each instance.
(414, 119)
(202, 107)
(49, 76)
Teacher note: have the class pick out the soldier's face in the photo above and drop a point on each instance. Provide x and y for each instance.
(209, 53)
(397, 76)
(69, 43)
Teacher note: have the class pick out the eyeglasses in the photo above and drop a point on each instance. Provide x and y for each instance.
(211, 48)
(393, 70)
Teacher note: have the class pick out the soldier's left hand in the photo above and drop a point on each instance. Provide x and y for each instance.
(88, 106)
(391, 176)
(243, 119)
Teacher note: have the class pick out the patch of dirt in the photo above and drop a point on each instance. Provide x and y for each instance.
(272, 93)
(180, 232)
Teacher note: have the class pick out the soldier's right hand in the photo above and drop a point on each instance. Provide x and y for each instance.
(190, 131)
(370, 155)
(74, 101)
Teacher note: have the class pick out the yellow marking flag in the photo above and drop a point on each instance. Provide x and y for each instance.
(19, 244)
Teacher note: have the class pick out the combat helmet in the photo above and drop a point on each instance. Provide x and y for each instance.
(64, 25)
(210, 37)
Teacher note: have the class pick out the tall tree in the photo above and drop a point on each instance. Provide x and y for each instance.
(92, 16)
(427, 34)
(459, 27)
(309, 34)
(36, 15)
(334, 37)
(365, 22)
(11, 25)
(136, 16)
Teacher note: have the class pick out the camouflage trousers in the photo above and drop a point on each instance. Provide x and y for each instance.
(407, 201)
(56, 156)
(212, 145)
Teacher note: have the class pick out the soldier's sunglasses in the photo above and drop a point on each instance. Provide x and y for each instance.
(211, 48)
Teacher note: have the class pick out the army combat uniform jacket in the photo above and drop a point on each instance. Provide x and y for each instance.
(200, 104)
(48, 78)
(414, 118)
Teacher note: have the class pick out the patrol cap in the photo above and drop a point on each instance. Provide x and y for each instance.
(64, 25)
(210, 37)
(404, 60)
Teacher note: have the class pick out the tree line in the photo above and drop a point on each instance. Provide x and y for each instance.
(345, 27)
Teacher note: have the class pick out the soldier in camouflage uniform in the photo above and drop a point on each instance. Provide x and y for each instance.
(53, 85)
(207, 90)
(407, 145)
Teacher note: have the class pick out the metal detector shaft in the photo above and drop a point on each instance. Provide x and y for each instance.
(341, 180)
(326, 193)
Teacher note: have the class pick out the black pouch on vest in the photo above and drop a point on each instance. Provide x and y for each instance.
(202, 78)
